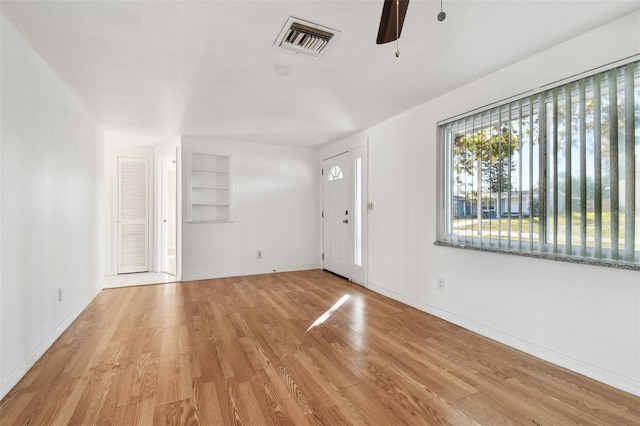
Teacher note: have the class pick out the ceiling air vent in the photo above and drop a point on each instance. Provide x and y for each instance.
(305, 37)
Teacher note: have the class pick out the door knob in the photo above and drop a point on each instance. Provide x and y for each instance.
(345, 221)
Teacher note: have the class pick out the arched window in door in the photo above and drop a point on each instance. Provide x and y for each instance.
(335, 173)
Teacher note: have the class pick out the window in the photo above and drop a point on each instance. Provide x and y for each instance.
(335, 173)
(553, 174)
(357, 217)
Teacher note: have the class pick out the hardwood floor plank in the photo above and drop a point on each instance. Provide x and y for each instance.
(508, 404)
(255, 354)
(228, 397)
(205, 362)
(221, 330)
(59, 409)
(375, 410)
(608, 410)
(334, 416)
(553, 407)
(246, 297)
(92, 402)
(239, 325)
(437, 379)
(145, 340)
(140, 380)
(239, 351)
(210, 411)
(47, 369)
(274, 307)
(341, 374)
(139, 414)
(174, 381)
(234, 361)
(115, 388)
(323, 379)
(13, 406)
(178, 413)
(441, 380)
(175, 340)
(293, 389)
(462, 353)
(275, 402)
(486, 410)
(411, 399)
(423, 351)
(249, 408)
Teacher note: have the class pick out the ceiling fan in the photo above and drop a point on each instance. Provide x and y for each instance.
(393, 14)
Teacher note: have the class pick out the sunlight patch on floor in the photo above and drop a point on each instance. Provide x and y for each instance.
(322, 318)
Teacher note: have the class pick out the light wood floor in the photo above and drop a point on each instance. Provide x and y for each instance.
(236, 351)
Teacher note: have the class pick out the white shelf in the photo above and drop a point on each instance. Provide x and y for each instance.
(209, 188)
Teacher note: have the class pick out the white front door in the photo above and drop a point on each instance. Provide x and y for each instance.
(336, 225)
(133, 215)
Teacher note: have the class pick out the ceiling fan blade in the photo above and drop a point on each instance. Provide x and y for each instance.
(387, 31)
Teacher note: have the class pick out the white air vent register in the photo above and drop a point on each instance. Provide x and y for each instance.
(305, 37)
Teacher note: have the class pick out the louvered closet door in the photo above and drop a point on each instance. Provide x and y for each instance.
(133, 214)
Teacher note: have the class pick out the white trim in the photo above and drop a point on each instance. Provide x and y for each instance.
(334, 156)
(150, 164)
(325, 180)
(179, 208)
(159, 188)
(627, 384)
(334, 151)
(112, 176)
(358, 274)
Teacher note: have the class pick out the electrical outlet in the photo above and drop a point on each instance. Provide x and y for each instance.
(440, 283)
(259, 254)
(60, 294)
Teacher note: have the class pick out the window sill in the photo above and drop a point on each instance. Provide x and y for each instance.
(547, 256)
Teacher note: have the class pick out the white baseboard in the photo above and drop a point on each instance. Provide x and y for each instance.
(246, 272)
(19, 372)
(610, 378)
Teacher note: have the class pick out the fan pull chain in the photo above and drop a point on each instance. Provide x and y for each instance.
(397, 26)
(441, 16)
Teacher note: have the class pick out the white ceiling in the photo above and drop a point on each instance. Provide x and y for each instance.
(151, 70)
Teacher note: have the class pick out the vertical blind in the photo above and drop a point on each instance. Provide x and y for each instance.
(555, 172)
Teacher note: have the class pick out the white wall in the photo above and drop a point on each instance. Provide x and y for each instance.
(586, 318)
(275, 209)
(52, 207)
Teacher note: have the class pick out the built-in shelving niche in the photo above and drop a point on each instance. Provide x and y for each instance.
(209, 188)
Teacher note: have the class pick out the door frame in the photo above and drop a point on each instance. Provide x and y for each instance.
(357, 274)
(347, 169)
(115, 208)
(161, 200)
